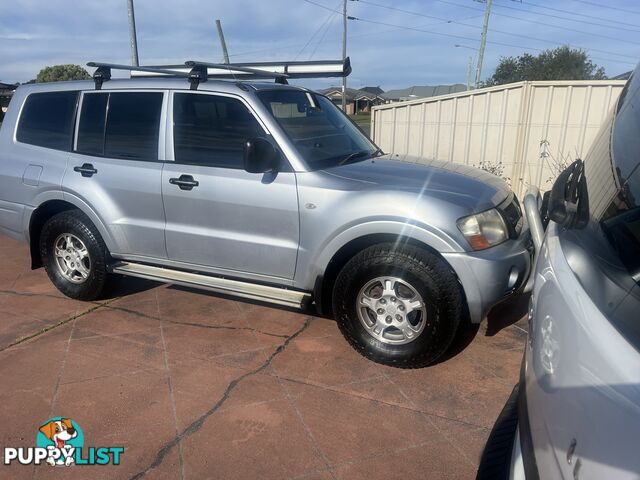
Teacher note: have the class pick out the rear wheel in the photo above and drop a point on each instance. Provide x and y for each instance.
(400, 306)
(74, 255)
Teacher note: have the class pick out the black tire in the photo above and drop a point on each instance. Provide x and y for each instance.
(78, 224)
(428, 274)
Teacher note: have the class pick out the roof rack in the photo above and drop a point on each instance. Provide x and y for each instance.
(198, 72)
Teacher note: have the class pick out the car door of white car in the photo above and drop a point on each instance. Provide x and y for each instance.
(583, 360)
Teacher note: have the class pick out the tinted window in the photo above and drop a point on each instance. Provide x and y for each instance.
(91, 128)
(47, 119)
(211, 130)
(133, 123)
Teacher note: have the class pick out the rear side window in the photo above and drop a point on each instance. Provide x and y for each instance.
(47, 119)
(120, 125)
(211, 130)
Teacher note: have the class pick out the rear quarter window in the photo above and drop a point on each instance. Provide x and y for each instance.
(47, 119)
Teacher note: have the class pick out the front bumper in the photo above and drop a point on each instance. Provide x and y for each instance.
(491, 275)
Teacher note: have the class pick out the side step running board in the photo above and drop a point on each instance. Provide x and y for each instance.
(264, 293)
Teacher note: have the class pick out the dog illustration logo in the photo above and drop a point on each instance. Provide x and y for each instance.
(61, 437)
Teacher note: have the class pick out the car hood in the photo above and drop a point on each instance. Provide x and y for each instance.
(466, 186)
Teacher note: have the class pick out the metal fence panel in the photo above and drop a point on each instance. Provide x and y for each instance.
(527, 131)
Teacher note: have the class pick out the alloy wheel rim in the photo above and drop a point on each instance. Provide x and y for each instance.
(72, 258)
(391, 310)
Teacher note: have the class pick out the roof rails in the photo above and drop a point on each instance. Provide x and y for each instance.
(198, 72)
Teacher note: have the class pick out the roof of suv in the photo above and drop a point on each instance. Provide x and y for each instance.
(227, 86)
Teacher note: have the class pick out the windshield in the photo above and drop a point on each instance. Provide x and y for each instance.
(321, 133)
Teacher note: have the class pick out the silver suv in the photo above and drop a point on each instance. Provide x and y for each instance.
(260, 190)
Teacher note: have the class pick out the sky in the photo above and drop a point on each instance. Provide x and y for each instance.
(391, 43)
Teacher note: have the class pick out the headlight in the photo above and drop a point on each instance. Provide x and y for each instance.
(484, 230)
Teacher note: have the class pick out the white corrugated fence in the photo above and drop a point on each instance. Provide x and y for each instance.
(524, 131)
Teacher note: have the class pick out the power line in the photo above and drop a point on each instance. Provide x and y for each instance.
(617, 27)
(324, 34)
(323, 6)
(577, 14)
(447, 2)
(358, 35)
(450, 35)
(493, 30)
(322, 25)
(634, 12)
(473, 39)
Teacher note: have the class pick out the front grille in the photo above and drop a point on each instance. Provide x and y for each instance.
(512, 214)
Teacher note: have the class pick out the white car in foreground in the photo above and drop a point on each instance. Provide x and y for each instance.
(578, 404)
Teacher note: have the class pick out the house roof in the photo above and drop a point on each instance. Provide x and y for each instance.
(423, 91)
(374, 90)
(623, 76)
(351, 94)
(8, 86)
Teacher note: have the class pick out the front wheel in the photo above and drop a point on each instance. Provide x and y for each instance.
(74, 255)
(399, 306)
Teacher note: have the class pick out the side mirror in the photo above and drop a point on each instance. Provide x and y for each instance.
(260, 156)
(568, 205)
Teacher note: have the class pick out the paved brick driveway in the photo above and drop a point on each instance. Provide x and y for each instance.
(198, 386)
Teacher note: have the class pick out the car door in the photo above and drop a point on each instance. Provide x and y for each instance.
(115, 168)
(218, 216)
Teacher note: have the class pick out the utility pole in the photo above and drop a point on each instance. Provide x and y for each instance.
(483, 41)
(344, 54)
(222, 42)
(469, 64)
(132, 33)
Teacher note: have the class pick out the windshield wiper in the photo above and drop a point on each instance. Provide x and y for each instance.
(359, 154)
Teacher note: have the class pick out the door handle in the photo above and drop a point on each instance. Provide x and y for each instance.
(185, 182)
(86, 170)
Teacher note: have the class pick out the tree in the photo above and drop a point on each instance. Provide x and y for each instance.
(59, 73)
(562, 63)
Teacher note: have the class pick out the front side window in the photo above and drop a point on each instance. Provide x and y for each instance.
(47, 119)
(211, 130)
(120, 125)
(321, 133)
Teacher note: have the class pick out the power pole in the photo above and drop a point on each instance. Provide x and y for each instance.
(344, 54)
(222, 42)
(483, 41)
(469, 64)
(132, 33)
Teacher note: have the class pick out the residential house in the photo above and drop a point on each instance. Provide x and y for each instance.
(357, 100)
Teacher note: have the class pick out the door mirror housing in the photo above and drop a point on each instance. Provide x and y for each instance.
(260, 156)
(567, 203)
